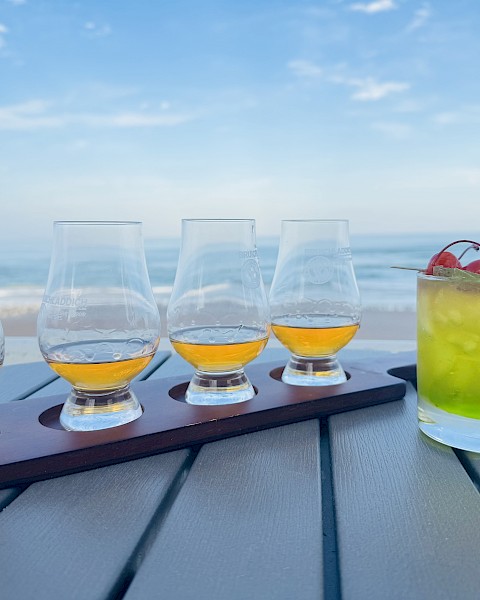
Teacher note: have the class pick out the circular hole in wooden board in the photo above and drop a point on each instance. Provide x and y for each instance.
(51, 418)
(277, 375)
(178, 393)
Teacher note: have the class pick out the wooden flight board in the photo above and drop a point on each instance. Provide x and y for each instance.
(33, 445)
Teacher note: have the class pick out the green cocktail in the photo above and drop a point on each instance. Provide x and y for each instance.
(448, 363)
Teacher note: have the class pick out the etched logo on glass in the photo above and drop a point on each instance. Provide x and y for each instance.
(318, 270)
(251, 273)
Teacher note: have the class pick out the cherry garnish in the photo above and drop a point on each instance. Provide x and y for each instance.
(447, 259)
(473, 267)
(443, 259)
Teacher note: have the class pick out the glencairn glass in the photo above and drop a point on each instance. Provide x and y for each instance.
(218, 315)
(98, 325)
(314, 299)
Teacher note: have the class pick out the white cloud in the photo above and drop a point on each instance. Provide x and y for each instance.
(101, 92)
(29, 108)
(468, 175)
(409, 106)
(446, 179)
(79, 144)
(17, 2)
(464, 115)
(368, 89)
(3, 31)
(373, 7)
(318, 12)
(95, 30)
(420, 17)
(36, 114)
(446, 118)
(394, 129)
(27, 115)
(131, 119)
(305, 68)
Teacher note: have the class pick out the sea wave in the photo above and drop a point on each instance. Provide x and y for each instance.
(24, 270)
(26, 300)
(20, 301)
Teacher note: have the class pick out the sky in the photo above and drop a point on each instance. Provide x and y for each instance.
(267, 109)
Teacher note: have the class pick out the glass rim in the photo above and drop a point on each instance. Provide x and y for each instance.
(55, 223)
(423, 275)
(315, 221)
(218, 220)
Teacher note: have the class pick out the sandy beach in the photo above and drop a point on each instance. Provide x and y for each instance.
(377, 325)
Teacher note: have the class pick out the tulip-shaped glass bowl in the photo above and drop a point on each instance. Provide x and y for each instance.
(218, 315)
(314, 299)
(98, 326)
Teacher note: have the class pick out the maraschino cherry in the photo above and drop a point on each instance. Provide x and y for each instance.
(443, 259)
(449, 260)
(473, 267)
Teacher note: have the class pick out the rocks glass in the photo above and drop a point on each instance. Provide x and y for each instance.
(448, 359)
(314, 299)
(98, 325)
(218, 315)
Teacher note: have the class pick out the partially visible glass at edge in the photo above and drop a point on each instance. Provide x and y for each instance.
(448, 361)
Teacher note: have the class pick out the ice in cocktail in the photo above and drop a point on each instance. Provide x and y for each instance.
(448, 361)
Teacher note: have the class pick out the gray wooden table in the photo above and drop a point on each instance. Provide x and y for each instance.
(359, 505)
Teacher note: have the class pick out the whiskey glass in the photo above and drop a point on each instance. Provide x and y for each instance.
(98, 325)
(314, 299)
(218, 315)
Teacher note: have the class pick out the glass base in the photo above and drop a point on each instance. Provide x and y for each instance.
(302, 370)
(91, 411)
(448, 428)
(219, 388)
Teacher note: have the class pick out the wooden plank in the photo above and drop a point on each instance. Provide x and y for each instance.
(471, 462)
(59, 386)
(20, 381)
(7, 496)
(78, 537)
(408, 516)
(81, 536)
(247, 523)
(174, 366)
(17, 382)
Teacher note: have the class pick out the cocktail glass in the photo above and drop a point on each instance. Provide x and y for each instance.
(218, 315)
(98, 326)
(448, 359)
(314, 299)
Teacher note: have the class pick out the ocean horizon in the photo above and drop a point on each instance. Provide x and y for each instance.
(24, 269)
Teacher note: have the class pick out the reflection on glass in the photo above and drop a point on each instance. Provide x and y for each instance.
(98, 325)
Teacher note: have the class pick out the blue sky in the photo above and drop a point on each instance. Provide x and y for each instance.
(155, 111)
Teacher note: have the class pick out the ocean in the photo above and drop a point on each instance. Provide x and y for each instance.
(24, 269)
